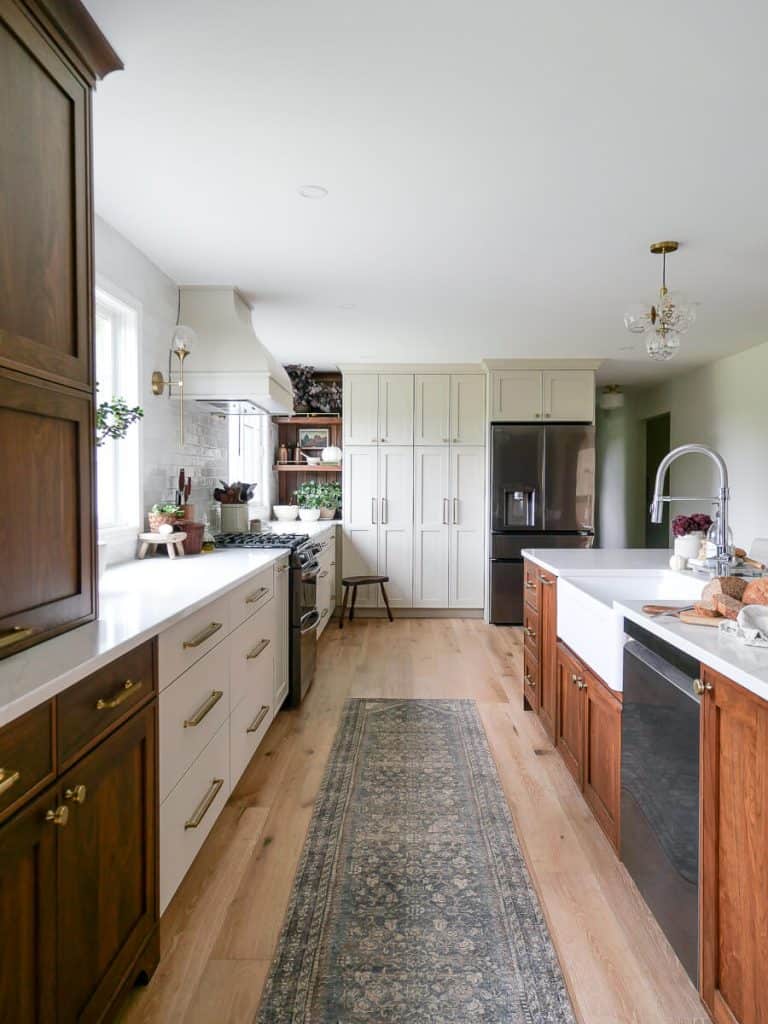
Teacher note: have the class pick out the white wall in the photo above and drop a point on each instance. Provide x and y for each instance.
(619, 486)
(121, 265)
(723, 405)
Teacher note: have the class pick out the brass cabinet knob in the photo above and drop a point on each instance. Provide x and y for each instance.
(58, 817)
(531, 682)
(531, 633)
(579, 681)
(76, 794)
(700, 687)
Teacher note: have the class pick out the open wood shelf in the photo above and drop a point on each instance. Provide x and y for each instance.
(292, 467)
(308, 421)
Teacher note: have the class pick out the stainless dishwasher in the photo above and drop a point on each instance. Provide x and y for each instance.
(660, 785)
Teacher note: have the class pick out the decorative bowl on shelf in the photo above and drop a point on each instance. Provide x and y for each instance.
(331, 454)
(285, 512)
(309, 515)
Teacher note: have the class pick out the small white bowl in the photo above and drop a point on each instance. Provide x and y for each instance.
(285, 512)
(309, 515)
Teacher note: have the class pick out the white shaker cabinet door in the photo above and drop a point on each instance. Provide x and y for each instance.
(468, 408)
(395, 408)
(361, 408)
(432, 408)
(467, 561)
(282, 630)
(431, 529)
(516, 395)
(569, 395)
(360, 511)
(396, 523)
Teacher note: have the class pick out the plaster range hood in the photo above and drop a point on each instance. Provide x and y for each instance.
(229, 370)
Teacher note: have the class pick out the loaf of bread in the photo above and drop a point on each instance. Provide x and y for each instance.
(756, 592)
(733, 586)
(728, 607)
(706, 608)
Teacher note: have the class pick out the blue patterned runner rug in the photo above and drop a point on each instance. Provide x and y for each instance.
(412, 903)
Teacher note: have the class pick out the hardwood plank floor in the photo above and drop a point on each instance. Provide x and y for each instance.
(220, 931)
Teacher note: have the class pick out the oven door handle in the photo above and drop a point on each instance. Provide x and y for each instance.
(310, 572)
(309, 620)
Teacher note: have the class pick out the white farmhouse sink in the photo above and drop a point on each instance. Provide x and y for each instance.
(587, 622)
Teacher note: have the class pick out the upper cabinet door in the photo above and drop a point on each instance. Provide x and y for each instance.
(47, 530)
(361, 408)
(569, 395)
(516, 395)
(432, 408)
(396, 408)
(468, 408)
(45, 281)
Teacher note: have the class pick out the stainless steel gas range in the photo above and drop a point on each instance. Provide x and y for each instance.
(303, 615)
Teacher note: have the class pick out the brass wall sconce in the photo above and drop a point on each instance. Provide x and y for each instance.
(181, 345)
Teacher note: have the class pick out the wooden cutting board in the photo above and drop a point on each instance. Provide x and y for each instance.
(692, 619)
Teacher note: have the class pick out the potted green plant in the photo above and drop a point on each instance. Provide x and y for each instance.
(309, 500)
(114, 418)
(163, 513)
(330, 495)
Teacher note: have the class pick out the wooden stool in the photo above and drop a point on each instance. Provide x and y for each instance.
(361, 581)
(174, 542)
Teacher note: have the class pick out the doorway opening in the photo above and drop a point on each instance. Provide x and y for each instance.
(657, 441)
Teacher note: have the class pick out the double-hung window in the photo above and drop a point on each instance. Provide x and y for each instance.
(248, 437)
(117, 374)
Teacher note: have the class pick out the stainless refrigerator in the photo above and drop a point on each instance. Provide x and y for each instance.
(542, 496)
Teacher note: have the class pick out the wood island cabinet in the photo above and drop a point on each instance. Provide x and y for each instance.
(540, 645)
(51, 53)
(734, 852)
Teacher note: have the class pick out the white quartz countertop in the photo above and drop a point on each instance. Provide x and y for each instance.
(297, 526)
(137, 600)
(569, 562)
(747, 666)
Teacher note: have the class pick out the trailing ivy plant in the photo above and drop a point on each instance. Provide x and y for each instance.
(114, 418)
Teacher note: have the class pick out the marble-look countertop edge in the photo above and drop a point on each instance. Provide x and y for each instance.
(539, 556)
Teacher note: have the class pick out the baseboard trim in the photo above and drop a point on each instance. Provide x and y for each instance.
(416, 613)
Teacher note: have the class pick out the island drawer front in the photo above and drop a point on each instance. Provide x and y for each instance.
(185, 643)
(531, 629)
(248, 726)
(247, 599)
(531, 585)
(26, 757)
(93, 706)
(189, 811)
(252, 656)
(192, 710)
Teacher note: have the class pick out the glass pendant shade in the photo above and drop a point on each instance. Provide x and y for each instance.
(182, 339)
(663, 322)
(637, 319)
(662, 346)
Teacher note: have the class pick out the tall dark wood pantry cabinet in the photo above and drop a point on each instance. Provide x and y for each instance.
(51, 54)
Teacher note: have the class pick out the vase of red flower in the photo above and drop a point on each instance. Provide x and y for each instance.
(689, 532)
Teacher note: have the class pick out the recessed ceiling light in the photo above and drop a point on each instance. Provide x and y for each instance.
(313, 191)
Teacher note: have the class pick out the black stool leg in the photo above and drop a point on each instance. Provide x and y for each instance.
(343, 607)
(386, 601)
(352, 606)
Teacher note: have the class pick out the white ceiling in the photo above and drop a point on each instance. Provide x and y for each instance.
(495, 170)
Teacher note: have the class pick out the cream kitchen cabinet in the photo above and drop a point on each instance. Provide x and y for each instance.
(530, 396)
(326, 583)
(282, 633)
(449, 408)
(378, 519)
(466, 546)
(378, 408)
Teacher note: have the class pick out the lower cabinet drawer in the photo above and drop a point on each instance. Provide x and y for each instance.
(188, 812)
(252, 656)
(251, 596)
(26, 757)
(180, 646)
(248, 726)
(192, 709)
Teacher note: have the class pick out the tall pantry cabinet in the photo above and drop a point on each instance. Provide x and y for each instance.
(51, 54)
(413, 506)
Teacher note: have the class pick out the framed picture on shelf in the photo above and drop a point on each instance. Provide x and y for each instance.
(313, 437)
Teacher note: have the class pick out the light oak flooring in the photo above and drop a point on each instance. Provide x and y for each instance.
(219, 934)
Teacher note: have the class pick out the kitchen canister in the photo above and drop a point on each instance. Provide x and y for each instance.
(234, 518)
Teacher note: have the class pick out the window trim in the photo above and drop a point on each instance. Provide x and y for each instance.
(119, 534)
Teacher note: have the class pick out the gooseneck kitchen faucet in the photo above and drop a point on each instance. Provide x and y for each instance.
(723, 557)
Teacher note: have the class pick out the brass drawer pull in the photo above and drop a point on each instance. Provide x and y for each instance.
(257, 596)
(129, 688)
(544, 579)
(58, 817)
(263, 711)
(15, 634)
(262, 645)
(202, 808)
(530, 585)
(531, 682)
(530, 633)
(206, 634)
(8, 779)
(196, 719)
(76, 794)
(579, 681)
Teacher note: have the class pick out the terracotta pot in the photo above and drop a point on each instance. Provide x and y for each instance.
(327, 513)
(157, 519)
(193, 545)
(189, 513)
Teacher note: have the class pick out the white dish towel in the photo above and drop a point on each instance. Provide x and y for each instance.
(751, 627)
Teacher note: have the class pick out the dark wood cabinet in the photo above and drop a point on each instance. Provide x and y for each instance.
(734, 841)
(107, 907)
(569, 738)
(47, 528)
(548, 652)
(51, 53)
(531, 680)
(28, 914)
(27, 758)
